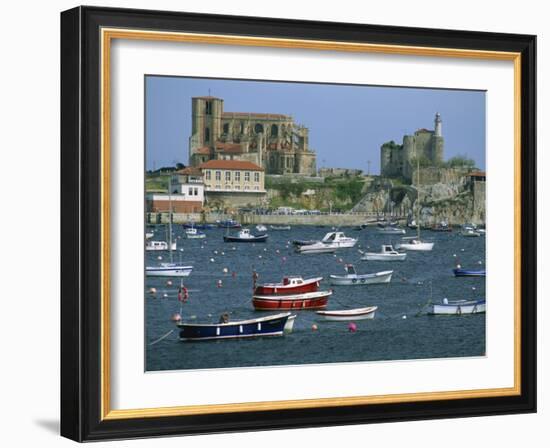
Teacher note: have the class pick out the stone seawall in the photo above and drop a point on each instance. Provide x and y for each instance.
(345, 219)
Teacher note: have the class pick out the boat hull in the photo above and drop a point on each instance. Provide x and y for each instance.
(469, 273)
(347, 315)
(183, 271)
(383, 257)
(361, 279)
(236, 239)
(420, 247)
(457, 309)
(309, 301)
(276, 325)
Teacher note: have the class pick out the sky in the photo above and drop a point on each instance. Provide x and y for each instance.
(347, 123)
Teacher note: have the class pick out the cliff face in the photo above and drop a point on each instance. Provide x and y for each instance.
(453, 197)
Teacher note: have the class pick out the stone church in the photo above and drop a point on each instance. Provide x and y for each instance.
(399, 160)
(273, 141)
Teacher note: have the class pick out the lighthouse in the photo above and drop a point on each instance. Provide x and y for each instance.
(438, 125)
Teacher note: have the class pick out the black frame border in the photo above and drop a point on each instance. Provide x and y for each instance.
(81, 223)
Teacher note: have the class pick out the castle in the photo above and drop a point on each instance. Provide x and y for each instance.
(399, 160)
(272, 141)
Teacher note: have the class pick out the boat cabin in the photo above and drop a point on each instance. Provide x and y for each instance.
(388, 249)
(157, 245)
(293, 281)
(350, 269)
(333, 236)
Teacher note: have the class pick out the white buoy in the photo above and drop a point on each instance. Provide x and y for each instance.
(165, 295)
(404, 317)
(212, 260)
(152, 290)
(225, 270)
(215, 252)
(159, 258)
(480, 262)
(168, 282)
(223, 253)
(259, 256)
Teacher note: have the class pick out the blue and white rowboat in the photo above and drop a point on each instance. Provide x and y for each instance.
(274, 325)
(457, 307)
(459, 272)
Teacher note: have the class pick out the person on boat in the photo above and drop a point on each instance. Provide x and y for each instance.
(224, 318)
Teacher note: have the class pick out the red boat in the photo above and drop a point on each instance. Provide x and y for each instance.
(289, 285)
(306, 301)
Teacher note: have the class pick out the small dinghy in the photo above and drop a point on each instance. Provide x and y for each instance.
(159, 245)
(169, 270)
(274, 325)
(459, 272)
(244, 236)
(415, 244)
(305, 301)
(354, 314)
(391, 230)
(228, 224)
(193, 233)
(470, 233)
(457, 307)
(261, 228)
(280, 227)
(387, 253)
(352, 278)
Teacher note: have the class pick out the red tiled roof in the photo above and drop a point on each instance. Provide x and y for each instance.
(229, 147)
(478, 174)
(190, 171)
(255, 115)
(231, 165)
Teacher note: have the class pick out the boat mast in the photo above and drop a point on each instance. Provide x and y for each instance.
(170, 219)
(418, 197)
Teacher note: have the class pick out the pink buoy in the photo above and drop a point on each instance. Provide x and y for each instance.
(314, 327)
(176, 317)
(233, 274)
(352, 328)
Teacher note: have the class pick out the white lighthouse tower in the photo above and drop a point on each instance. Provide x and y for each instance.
(438, 125)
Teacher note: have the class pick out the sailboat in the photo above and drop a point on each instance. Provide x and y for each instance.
(170, 269)
(414, 242)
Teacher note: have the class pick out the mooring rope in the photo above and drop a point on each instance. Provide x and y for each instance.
(162, 337)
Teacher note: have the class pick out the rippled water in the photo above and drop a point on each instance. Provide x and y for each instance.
(396, 333)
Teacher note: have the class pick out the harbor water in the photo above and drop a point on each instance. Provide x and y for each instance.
(221, 282)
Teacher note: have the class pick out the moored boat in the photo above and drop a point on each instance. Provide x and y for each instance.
(345, 315)
(261, 228)
(459, 272)
(387, 253)
(316, 248)
(457, 307)
(352, 278)
(244, 236)
(308, 300)
(274, 325)
(389, 230)
(159, 245)
(338, 240)
(193, 233)
(289, 285)
(229, 224)
(280, 227)
(470, 233)
(169, 270)
(415, 244)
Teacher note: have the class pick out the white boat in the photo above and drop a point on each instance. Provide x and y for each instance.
(344, 315)
(338, 240)
(457, 307)
(160, 245)
(261, 228)
(352, 278)
(316, 248)
(392, 231)
(470, 233)
(414, 243)
(280, 227)
(169, 270)
(194, 233)
(387, 253)
(149, 235)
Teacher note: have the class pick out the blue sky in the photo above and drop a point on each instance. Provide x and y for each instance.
(347, 124)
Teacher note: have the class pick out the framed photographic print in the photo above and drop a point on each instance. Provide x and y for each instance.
(272, 223)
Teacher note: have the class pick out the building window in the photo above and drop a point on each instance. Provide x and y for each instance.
(274, 130)
(242, 127)
(247, 176)
(218, 175)
(206, 135)
(256, 188)
(246, 187)
(228, 176)
(208, 175)
(238, 176)
(218, 187)
(196, 191)
(237, 187)
(190, 191)
(208, 108)
(256, 177)
(258, 128)
(226, 128)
